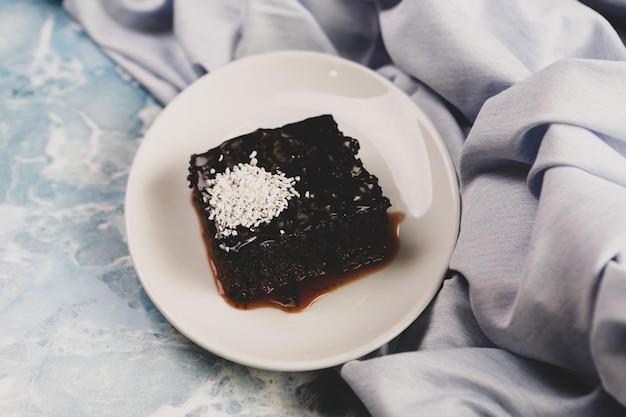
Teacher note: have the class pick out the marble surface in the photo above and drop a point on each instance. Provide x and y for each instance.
(78, 335)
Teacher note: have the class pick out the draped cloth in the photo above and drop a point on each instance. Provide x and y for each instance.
(530, 98)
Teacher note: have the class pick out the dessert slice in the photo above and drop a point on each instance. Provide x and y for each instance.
(280, 206)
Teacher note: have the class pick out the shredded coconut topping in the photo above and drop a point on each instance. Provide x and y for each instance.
(248, 196)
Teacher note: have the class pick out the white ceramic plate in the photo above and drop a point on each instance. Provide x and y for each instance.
(399, 145)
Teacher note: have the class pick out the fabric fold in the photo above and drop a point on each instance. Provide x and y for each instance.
(448, 383)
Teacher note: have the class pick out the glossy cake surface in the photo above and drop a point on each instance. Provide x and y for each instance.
(282, 205)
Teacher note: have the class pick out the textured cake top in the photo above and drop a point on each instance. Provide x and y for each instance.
(246, 196)
(273, 182)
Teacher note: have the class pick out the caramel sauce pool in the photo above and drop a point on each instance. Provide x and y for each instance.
(311, 289)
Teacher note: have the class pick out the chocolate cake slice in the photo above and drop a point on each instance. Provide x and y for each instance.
(283, 205)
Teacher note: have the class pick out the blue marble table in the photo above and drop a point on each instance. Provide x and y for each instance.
(78, 335)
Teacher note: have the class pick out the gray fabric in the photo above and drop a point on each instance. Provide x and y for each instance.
(530, 97)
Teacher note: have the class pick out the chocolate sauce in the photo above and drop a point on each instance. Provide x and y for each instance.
(300, 296)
